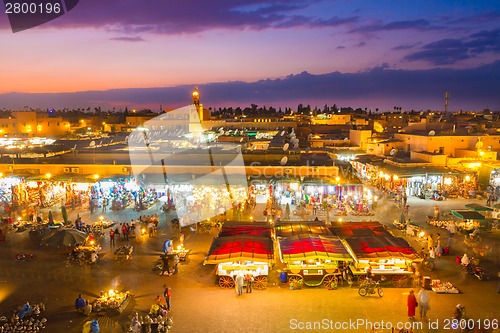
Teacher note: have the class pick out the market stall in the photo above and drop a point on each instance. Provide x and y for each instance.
(87, 253)
(385, 256)
(241, 254)
(469, 220)
(440, 287)
(313, 259)
(123, 253)
(181, 252)
(111, 303)
(101, 224)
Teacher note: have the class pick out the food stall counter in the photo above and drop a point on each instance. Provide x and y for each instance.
(111, 303)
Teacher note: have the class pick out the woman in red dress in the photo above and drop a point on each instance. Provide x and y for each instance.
(412, 304)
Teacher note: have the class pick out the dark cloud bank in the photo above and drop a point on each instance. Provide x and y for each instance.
(383, 88)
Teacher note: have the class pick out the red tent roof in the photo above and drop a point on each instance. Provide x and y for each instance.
(304, 247)
(301, 228)
(358, 229)
(254, 229)
(240, 248)
(381, 247)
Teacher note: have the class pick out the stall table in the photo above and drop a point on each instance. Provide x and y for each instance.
(443, 287)
(181, 253)
(123, 253)
(111, 303)
(85, 252)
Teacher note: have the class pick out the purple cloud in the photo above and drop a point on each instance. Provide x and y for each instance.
(128, 39)
(420, 24)
(405, 46)
(450, 51)
(174, 17)
(486, 17)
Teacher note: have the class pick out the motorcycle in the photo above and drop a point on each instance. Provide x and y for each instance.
(370, 288)
(474, 270)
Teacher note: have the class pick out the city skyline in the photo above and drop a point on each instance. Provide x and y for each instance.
(274, 53)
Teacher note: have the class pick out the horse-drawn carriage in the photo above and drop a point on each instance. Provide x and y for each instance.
(313, 260)
(372, 246)
(241, 254)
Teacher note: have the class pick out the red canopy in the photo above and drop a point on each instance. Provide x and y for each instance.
(240, 248)
(254, 229)
(358, 229)
(301, 228)
(305, 247)
(381, 247)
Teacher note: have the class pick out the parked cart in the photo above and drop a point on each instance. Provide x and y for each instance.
(313, 260)
(372, 246)
(241, 254)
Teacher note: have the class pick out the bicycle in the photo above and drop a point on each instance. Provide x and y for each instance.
(428, 264)
(370, 288)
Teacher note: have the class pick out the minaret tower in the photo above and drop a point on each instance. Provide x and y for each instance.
(197, 104)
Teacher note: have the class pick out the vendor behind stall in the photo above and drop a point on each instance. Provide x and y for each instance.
(168, 246)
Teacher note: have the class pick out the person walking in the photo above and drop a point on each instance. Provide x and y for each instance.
(150, 227)
(176, 263)
(452, 230)
(104, 205)
(430, 241)
(249, 281)
(167, 294)
(240, 280)
(120, 231)
(423, 298)
(125, 231)
(137, 231)
(112, 237)
(439, 248)
(412, 304)
(432, 257)
(459, 312)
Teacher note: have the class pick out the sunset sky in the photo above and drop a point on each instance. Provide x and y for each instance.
(373, 54)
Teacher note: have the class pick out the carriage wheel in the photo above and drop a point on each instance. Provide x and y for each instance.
(361, 279)
(399, 281)
(294, 278)
(260, 282)
(328, 280)
(226, 282)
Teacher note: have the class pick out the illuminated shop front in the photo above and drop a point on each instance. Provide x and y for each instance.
(288, 191)
(495, 180)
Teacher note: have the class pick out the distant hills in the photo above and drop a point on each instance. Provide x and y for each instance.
(379, 87)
